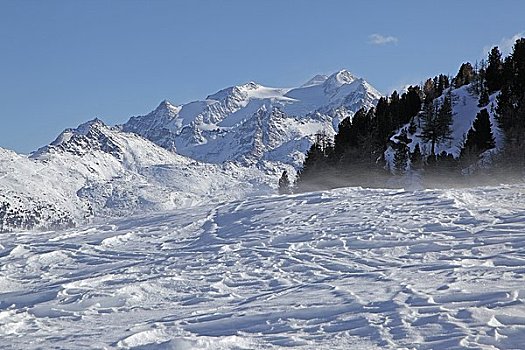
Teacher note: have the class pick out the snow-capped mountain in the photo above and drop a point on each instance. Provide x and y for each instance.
(254, 124)
(233, 143)
(97, 170)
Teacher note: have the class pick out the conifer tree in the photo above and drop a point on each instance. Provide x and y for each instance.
(437, 121)
(384, 119)
(284, 184)
(416, 158)
(494, 72)
(430, 127)
(318, 161)
(518, 68)
(411, 100)
(313, 165)
(344, 138)
(429, 90)
(511, 99)
(401, 155)
(480, 137)
(444, 118)
(483, 96)
(480, 82)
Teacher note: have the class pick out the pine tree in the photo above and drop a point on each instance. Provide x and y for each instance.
(437, 121)
(480, 84)
(344, 138)
(317, 164)
(510, 112)
(429, 90)
(483, 96)
(394, 106)
(284, 184)
(411, 101)
(444, 118)
(416, 158)
(401, 155)
(480, 137)
(430, 127)
(518, 67)
(465, 75)
(313, 166)
(494, 72)
(384, 119)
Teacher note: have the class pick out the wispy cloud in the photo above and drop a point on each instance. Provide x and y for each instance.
(378, 39)
(505, 45)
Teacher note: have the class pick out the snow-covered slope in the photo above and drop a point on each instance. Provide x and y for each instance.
(254, 124)
(344, 269)
(32, 195)
(465, 109)
(97, 170)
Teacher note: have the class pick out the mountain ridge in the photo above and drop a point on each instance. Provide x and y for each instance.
(232, 144)
(197, 129)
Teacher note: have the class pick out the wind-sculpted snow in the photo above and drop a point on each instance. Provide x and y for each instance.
(344, 269)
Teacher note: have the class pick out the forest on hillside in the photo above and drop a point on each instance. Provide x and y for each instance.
(402, 135)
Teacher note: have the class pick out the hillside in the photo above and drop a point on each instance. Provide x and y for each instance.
(96, 171)
(464, 130)
(465, 108)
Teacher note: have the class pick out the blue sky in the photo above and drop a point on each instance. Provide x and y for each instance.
(65, 62)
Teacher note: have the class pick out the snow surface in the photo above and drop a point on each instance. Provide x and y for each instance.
(343, 269)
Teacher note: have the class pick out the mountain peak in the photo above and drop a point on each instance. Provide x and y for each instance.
(94, 123)
(219, 127)
(340, 78)
(165, 105)
(250, 85)
(316, 80)
(165, 108)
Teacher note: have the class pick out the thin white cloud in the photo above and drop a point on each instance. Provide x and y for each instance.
(505, 45)
(378, 39)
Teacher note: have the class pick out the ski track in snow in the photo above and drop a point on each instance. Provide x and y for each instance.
(342, 269)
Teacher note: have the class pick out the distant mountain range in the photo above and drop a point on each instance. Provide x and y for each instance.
(254, 124)
(233, 143)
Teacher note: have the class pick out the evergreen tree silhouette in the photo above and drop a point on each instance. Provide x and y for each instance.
(284, 184)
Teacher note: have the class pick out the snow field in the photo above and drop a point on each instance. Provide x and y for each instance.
(349, 268)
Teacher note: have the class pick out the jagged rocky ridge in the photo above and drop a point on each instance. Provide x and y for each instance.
(97, 171)
(254, 124)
